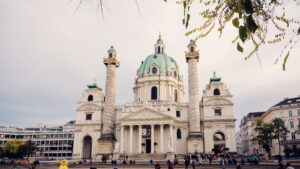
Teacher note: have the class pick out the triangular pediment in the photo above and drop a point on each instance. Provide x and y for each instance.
(89, 107)
(217, 102)
(146, 114)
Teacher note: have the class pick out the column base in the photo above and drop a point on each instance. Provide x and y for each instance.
(105, 147)
(170, 155)
(195, 143)
(115, 156)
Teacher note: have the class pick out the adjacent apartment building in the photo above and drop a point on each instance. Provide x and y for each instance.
(289, 111)
(51, 141)
(245, 135)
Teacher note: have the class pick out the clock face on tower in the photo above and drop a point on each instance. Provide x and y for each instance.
(154, 70)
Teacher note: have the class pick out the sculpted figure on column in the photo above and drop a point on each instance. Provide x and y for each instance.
(111, 63)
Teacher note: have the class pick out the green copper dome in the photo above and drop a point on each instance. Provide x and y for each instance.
(165, 65)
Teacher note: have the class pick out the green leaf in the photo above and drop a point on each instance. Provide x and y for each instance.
(243, 33)
(248, 6)
(240, 6)
(239, 48)
(184, 4)
(236, 22)
(187, 20)
(183, 21)
(251, 25)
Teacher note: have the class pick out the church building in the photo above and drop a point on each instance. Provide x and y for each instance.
(158, 123)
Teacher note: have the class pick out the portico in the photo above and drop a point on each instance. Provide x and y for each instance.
(138, 138)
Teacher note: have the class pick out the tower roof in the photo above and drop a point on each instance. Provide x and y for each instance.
(93, 86)
(111, 49)
(191, 43)
(215, 79)
(159, 40)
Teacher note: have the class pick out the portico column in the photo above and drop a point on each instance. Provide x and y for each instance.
(161, 138)
(140, 138)
(152, 138)
(130, 138)
(171, 136)
(121, 139)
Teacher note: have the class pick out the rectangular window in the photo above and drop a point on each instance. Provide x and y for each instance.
(291, 124)
(177, 113)
(293, 136)
(218, 112)
(290, 113)
(299, 112)
(88, 117)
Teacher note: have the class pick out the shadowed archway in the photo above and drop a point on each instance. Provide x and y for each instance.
(87, 147)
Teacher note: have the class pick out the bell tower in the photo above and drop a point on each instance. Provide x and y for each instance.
(195, 140)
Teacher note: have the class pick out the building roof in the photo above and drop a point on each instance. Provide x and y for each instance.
(165, 64)
(10, 129)
(215, 79)
(192, 43)
(94, 86)
(111, 49)
(288, 101)
(251, 116)
(255, 114)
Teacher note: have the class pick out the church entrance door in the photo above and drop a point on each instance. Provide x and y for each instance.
(87, 147)
(219, 142)
(148, 146)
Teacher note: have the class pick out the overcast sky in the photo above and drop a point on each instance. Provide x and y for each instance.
(48, 54)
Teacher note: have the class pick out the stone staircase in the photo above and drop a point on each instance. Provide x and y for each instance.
(146, 157)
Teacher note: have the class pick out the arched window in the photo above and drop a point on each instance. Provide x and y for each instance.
(178, 134)
(90, 98)
(216, 92)
(154, 93)
(110, 55)
(162, 50)
(175, 95)
(175, 74)
(192, 49)
(158, 49)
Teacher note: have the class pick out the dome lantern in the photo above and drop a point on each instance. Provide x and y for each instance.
(192, 53)
(192, 46)
(111, 52)
(159, 46)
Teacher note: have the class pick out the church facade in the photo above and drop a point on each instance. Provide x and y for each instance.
(158, 121)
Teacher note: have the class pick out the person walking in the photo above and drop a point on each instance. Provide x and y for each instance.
(187, 162)
(157, 166)
(222, 162)
(210, 159)
(193, 163)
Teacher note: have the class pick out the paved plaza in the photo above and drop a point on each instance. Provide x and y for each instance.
(143, 166)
